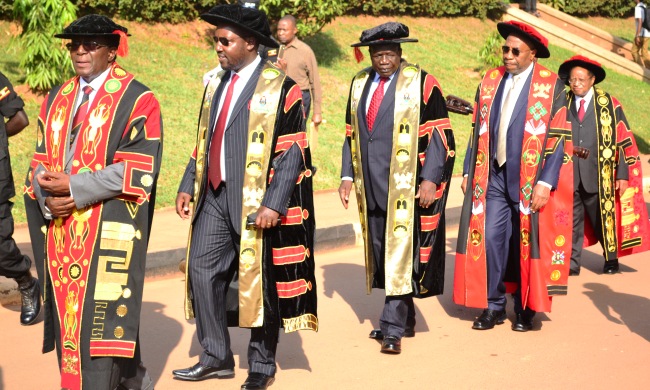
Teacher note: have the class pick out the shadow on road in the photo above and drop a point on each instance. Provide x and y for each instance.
(633, 311)
(348, 280)
(161, 335)
(290, 353)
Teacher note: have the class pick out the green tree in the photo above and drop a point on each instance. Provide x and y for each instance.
(45, 61)
(311, 15)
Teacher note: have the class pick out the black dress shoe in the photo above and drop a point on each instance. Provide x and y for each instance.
(489, 318)
(391, 344)
(573, 272)
(199, 372)
(378, 335)
(257, 381)
(523, 322)
(30, 298)
(611, 267)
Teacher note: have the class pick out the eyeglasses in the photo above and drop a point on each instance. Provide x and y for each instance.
(88, 46)
(579, 81)
(223, 41)
(515, 51)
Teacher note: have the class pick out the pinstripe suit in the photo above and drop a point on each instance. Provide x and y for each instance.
(214, 245)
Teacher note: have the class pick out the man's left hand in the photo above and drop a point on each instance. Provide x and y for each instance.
(541, 193)
(282, 64)
(56, 183)
(317, 119)
(621, 186)
(426, 193)
(266, 218)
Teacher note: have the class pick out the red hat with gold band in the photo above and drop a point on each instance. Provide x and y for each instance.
(519, 29)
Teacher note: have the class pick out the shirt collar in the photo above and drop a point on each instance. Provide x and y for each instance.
(390, 78)
(587, 96)
(524, 75)
(97, 82)
(246, 72)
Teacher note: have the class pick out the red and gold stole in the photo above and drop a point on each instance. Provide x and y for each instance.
(71, 241)
(542, 263)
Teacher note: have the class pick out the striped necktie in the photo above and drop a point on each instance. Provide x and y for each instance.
(82, 112)
(214, 155)
(375, 102)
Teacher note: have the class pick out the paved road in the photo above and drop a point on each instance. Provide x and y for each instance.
(596, 337)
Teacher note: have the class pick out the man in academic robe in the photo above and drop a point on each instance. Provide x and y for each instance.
(250, 182)
(515, 158)
(399, 153)
(608, 184)
(90, 195)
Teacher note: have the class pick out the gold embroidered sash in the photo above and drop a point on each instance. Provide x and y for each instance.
(400, 209)
(261, 124)
(199, 156)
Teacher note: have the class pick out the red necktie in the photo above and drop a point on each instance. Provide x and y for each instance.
(581, 110)
(377, 97)
(81, 113)
(214, 158)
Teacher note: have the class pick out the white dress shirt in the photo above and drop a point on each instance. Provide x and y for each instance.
(245, 75)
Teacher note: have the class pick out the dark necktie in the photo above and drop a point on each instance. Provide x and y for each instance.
(581, 110)
(214, 158)
(81, 113)
(375, 102)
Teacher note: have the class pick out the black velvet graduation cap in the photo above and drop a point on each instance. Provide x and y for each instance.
(251, 20)
(97, 25)
(387, 33)
(384, 34)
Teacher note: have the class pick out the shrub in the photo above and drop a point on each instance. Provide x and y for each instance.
(607, 8)
(45, 61)
(437, 8)
(490, 54)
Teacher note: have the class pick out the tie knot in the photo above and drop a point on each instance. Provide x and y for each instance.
(234, 78)
(383, 79)
(87, 90)
(582, 102)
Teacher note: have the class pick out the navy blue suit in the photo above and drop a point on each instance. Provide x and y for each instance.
(503, 192)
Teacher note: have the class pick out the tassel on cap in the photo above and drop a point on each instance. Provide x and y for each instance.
(123, 47)
(358, 55)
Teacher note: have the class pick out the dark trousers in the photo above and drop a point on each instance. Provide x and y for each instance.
(399, 311)
(213, 262)
(13, 264)
(530, 5)
(306, 103)
(501, 223)
(587, 205)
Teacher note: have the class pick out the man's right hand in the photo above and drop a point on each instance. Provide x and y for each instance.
(463, 185)
(637, 41)
(183, 205)
(60, 206)
(344, 192)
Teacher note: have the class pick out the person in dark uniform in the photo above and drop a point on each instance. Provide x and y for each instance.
(14, 264)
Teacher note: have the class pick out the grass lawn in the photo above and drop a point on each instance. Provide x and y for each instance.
(172, 59)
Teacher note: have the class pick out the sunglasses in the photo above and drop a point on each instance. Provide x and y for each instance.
(515, 51)
(88, 46)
